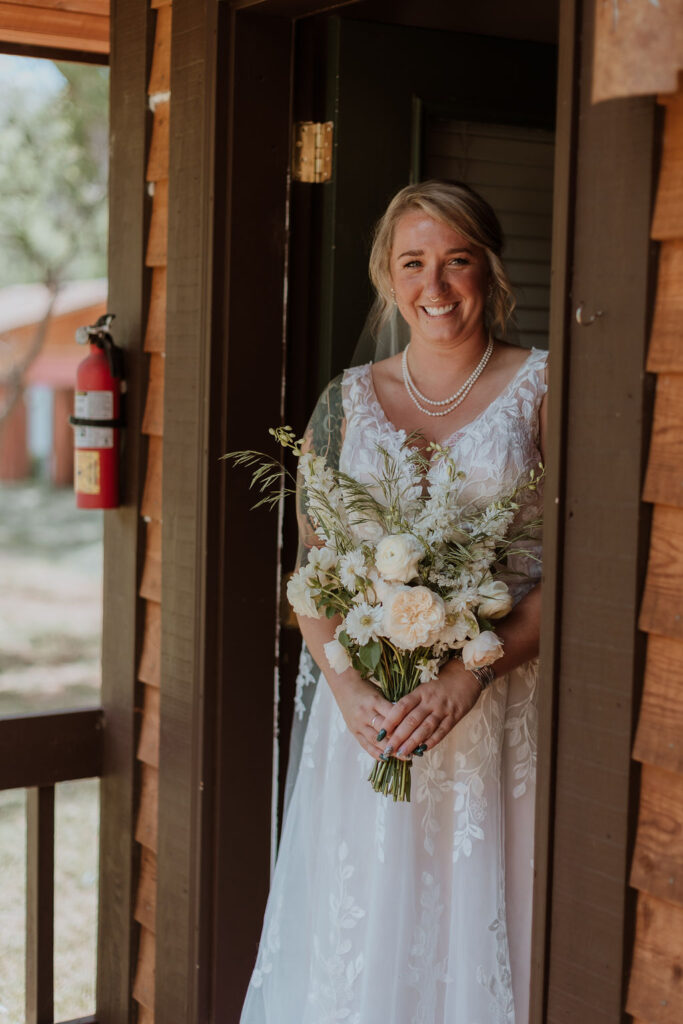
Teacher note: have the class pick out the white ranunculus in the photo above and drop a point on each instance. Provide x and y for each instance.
(364, 622)
(320, 561)
(482, 650)
(299, 594)
(397, 557)
(337, 656)
(413, 617)
(496, 599)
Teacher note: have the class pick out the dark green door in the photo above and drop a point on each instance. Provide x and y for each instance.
(387, 88)
(406, 104)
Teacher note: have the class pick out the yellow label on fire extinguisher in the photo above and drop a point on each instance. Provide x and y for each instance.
(87, 472)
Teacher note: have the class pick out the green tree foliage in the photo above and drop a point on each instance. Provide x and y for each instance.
(53, 180)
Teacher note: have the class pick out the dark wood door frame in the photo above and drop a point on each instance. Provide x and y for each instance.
(592, 651)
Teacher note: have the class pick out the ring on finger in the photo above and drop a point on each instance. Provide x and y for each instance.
(372, 723)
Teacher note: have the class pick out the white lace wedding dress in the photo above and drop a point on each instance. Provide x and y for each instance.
(414, 913)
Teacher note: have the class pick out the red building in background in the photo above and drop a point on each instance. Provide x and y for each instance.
(39, 422)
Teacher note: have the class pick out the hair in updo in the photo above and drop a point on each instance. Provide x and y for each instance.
(461, 208)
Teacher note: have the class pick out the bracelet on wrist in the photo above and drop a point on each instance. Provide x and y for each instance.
(484, 676)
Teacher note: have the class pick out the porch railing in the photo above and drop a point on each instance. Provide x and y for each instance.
(36, 752)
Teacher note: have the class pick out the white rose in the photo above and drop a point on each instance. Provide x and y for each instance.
(299, 594)
(482, 650)
(496, 600)
(413, 617)
(337, 656)
(397, 557)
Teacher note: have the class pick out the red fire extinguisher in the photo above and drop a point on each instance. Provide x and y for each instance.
(97, 417)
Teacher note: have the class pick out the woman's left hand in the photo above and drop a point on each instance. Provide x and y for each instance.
(428, 714)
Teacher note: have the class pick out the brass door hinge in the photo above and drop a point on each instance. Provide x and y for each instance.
(312, 151)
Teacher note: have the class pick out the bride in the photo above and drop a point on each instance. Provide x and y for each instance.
(420, 913)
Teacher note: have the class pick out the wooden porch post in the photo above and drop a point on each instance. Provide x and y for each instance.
(130, 51)
(190, 462)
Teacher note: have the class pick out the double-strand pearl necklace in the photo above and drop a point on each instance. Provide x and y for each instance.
(453, 400)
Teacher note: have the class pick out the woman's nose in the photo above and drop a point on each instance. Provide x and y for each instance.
(435, 286)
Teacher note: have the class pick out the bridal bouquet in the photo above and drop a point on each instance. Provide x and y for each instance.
(414, 575)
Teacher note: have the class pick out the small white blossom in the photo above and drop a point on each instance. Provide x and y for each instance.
(364, 622)
(351, 566)
(429, 669)
(300, 595)
(337, 656)
(462, 600)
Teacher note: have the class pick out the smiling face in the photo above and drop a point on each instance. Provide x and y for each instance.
(439, 279)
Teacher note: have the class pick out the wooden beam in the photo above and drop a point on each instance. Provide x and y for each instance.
(604, 553)
(100, 7)
(40, 904)
(129, 208)
(40, 750)
(62, 29)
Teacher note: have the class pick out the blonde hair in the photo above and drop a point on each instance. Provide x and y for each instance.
(461, 208)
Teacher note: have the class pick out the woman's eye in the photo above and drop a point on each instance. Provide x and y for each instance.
(411, 263)
(460, 261)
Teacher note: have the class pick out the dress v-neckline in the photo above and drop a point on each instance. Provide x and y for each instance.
(465, 426)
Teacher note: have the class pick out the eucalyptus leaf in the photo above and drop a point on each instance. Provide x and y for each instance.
(370, 654)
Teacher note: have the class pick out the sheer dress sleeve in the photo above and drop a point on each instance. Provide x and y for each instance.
(324, 436)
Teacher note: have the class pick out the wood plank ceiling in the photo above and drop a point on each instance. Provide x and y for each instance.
(80, 25)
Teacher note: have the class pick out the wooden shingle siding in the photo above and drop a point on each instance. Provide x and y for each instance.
(659, 739)
(655, 994)
(149, 667)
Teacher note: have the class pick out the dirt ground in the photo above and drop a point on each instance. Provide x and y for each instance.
(50, 622)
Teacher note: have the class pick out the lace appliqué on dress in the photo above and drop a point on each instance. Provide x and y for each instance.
(521, 725)
(335, 968)
(425, 972)
(499, 985)
(306, 676)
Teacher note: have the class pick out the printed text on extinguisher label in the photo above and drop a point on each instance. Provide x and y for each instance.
(94, 405)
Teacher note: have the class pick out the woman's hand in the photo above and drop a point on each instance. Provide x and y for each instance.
(428, 714)
(361, 702)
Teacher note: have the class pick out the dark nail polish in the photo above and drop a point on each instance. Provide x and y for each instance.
(422, 747)
(381, 734)
(418, 753)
